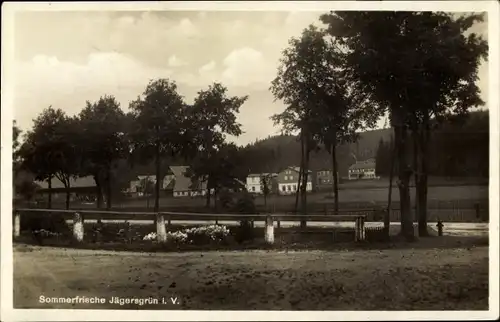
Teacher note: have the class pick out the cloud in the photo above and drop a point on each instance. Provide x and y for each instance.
(46, 80)
(207, 67)
(185, 28)
(173, 61)
(246, 66)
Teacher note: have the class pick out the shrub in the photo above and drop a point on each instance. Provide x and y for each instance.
(245, 204)
(202, 235)
(226, 199)
(244, 232)
(207, 234)
(150, 237)
(55, 223)
(375, 234)
(177, 237)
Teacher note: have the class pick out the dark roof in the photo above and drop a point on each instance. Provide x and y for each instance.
(83, 182)
(183, 183)
(261, 174)
(368, 164)
(296, 169)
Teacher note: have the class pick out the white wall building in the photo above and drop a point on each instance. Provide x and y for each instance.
(288, 181)
(253, 182)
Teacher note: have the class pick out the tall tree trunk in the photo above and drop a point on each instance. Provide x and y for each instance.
(108, 188)
(299, 183)
(216, 193)
(401, 139)
(416, 165)
(158, 178)
(208, 194)
(49, 201)
(303, 183)
(335, 180)
(305, 177)
(387, 218)
(68, 192)
(98, 191)
(299, 180)
(421, 187)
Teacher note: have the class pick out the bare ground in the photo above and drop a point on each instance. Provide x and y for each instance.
(451, 276)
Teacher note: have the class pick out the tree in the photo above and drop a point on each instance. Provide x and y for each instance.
(211, 119)
(265, 186)
(50, 149)
(158, 129)
(402, 60)
(16, 162)
(383, 158)
(103, 122)
(321, 104)
(147, 187)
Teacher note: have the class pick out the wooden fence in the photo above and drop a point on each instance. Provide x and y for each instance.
(164, 219)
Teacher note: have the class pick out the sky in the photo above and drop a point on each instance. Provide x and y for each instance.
(64, 59)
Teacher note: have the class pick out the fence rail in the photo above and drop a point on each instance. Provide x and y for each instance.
(164, 219)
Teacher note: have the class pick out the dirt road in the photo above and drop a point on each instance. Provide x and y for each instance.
(391, 279)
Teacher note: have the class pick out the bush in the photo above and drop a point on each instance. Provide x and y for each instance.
(226, 199)
(207, 234)
(244, 232)
(375, 234)
(177, 237)
(55, 223)
(245, 204)
(197, 235)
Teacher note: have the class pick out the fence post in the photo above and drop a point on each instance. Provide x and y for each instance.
(78, 228)
(161, 231)
(362, 228)
(269, 230)
(357, 227)
(17, 224)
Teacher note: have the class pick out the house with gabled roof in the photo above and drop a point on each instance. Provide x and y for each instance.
(362, 170)
(183, 185)
(288, 180)
(254, 182)
(80, 186)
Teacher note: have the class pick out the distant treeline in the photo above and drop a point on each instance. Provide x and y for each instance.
(459, 148)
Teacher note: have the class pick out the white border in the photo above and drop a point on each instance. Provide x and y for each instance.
(8, 10)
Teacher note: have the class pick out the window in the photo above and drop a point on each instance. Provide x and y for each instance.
(291, 177)
(283, 188)
(253, 189)
(286, 177)
(294, 188)
(289, 187)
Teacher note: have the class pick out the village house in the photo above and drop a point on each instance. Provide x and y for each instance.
(137, 186)
(184, 186)
(362, 170)
(323, 179)
(288, 180)
(254, 182)
(83, 188)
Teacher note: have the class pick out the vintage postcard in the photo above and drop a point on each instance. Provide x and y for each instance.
(250, 160)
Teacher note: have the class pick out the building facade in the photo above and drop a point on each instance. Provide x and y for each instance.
(288, 181)
(254, 182)
(363, 170)
(323, 179)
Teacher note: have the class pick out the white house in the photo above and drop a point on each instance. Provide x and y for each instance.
(363, 170)
(254, 185)
(288, 181)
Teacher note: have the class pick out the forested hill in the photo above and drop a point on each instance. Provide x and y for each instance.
(277, 152)
(457, 148)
